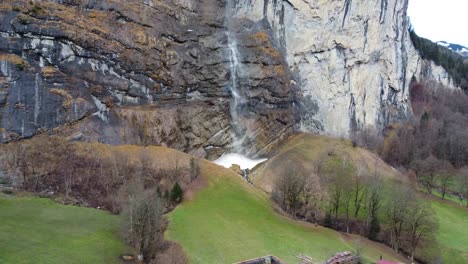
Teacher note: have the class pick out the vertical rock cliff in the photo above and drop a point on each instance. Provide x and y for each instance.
(204, 76)
(138, 72)
(352, 59)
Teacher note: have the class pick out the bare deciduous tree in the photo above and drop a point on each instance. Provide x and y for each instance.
(313, 197)
(194, 169)
(359, 188)
(462, 185)
(374, 203)
(420, 224)
(289, 188)
(337, 174)
(397, 213)
(427, 172)
(143, 221)
(445, 177)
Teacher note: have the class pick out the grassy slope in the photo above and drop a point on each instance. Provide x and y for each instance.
(303, 149)
(453, 230)
(230, 221)
(35, 230)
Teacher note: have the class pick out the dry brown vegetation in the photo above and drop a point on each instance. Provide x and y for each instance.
(93, 173)
(432, 145)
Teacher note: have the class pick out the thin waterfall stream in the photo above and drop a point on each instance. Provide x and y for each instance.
(237, 103)
(237, 100)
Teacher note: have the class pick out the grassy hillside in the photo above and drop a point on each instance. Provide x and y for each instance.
(453, 230)
(303, 149)
(35, 230)
(229, 221)
(40, 231)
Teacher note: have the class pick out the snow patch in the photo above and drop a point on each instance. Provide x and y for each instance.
(443, 43)
(227, 160)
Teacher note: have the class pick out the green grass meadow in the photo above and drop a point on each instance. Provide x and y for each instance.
(453, 231)
(36, 230)
(229, 221)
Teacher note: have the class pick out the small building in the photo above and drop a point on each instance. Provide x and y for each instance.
(263, 260)
(344, 258)
(387, 262)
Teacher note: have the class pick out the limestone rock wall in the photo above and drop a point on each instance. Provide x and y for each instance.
(158, 71)
(138, 72)
(352, 59)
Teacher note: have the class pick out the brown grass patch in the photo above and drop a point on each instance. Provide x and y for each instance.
(12, 58)
(66, 97)
(48, 71)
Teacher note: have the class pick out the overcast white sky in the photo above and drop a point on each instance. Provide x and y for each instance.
(440, 20)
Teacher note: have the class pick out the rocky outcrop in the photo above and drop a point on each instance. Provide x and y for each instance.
(353, 60)
(139, 72)
(161, 71)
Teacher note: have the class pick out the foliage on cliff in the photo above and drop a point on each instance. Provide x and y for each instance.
(451, 61)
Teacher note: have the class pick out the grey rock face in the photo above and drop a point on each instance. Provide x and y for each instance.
(139, 72)
(158, 72)
(352, 60)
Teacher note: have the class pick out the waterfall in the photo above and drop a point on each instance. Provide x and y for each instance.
(37, 98)
(242, 137)
(237, 100)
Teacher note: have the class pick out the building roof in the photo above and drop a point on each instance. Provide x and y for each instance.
(263, 260)
(386, 262)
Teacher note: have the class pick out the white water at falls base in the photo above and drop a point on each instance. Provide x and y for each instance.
(227, 160)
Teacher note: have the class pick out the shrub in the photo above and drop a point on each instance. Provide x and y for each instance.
(20, 66)
(4, 180)
(36, 8)
(374, 229)
(23, 19)
(7, 191)
(176, 193)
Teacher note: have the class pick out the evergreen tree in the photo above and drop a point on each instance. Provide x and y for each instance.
(177, 193)
(374, 228)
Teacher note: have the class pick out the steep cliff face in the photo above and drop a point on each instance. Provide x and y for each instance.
(204, 76)
(139, 72)
(352, 59)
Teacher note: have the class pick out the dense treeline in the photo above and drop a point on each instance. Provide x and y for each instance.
(126, 180)
(452, 62)
(433, 145)
(356, 199)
